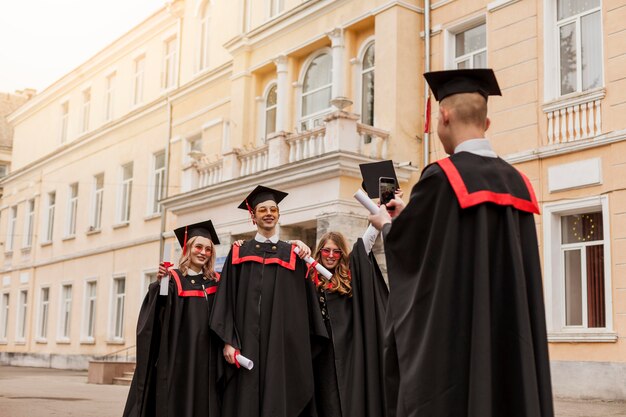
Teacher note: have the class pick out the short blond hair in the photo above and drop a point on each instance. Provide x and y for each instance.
(469, 108)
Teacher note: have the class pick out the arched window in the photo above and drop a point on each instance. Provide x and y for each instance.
(271, 103)
(204, 37)
(316, 89)
(367, 86)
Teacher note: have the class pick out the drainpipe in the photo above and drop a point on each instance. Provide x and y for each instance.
(426, 69)
(166, 180)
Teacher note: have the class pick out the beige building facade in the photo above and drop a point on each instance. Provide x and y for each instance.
(181, 117)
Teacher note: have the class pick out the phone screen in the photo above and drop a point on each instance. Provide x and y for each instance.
(387, 189)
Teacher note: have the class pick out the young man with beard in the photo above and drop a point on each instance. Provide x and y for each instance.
(466, 329)
(267, 310)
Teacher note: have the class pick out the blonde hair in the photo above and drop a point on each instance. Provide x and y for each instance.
(341, 280)
(207, 269)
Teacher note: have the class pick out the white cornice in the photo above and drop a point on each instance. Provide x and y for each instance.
(201, 111)
(499, 4)
(566, 148)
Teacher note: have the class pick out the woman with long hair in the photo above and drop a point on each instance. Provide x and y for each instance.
(178, 357)
(353, 302)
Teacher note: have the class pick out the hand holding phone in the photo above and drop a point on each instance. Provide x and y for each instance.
(386, 189)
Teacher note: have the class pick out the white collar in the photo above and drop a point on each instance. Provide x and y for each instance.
(261, 239)
(191, 272)
(479, 146)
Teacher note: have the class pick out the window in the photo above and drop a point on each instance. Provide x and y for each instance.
(72, 210)
(276, 7)
(579, 300)
(125, 193)
(148, 278)
(316, 90)
(44, 304)
(86, 109)
(21, 316)
(96, 202)
(138, 77)
(4, 170)
(4, 314)
(11, 232)
(50, 216)
(271, 104)
(66, 311)
(29, 224)
(65, 119)
(204, 37)
(109, 97)
(158, 182)
(119, 294)
(367, 86)
(169, 63)
(578, 24)
(89, 317)
(470, 48)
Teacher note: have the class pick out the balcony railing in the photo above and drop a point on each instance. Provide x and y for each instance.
(306, 144)
(574, 118)
(209, 173)
(373, 141)
(253, 160)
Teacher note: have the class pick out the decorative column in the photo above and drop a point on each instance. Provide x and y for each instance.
(281, 93)
(338, 46)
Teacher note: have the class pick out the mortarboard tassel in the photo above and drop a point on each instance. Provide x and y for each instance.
(185, 242)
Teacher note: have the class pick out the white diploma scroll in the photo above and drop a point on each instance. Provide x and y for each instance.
(244, 362)
(165, 281)
(363, 198)
(319, 267)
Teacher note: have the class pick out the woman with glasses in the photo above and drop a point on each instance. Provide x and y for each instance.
(348, 373)
(178, 357)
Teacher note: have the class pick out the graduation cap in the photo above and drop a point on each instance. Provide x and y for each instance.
(259, 195)
(204, 229)
(447, 83)
(372, 172)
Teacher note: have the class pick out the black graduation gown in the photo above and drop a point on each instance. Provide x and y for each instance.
(466, 330)
(267, 309)
(350, 370)
(178, 357)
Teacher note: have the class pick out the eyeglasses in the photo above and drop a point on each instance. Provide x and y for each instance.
(265, 210)
(334, 253)
(200, 249)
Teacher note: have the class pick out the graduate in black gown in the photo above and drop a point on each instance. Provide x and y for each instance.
(267, 310)
(466, 329)
(178, 356)
(349, 371)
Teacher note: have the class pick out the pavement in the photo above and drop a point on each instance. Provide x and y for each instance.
(39, 392)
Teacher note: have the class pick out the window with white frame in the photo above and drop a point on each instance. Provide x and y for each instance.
(367, 85)
(86, 110)
(138, 79)
(65, 121)
(157, 191)
(578, 268)
(72, 210)
(117, 319)
(109, 97)
(44, 310)
(579, 34)
(89, 315)
(271, 106)
(170, 47)
(65, 319)
(125, 193)
(4, 316)
(275, 7)
(470, 48)
(316, 91)
(49, 219)
(97, 196)
(148, 278)
(4, 170)
(11, 229)
(29, 224)
(22, 310)
(204, 37)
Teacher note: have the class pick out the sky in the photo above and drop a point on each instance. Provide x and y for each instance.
(41, 40)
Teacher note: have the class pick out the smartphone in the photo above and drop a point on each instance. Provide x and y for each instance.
(386, 189)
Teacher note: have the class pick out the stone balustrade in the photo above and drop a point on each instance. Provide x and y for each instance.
(306, 144)
(252, 161)
(575, 118)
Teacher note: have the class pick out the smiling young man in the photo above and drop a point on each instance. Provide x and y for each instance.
(267, 310)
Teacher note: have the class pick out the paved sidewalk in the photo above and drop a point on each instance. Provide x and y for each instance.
(39, 392)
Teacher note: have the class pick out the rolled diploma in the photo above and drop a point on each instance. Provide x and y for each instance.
(244, 362)
(165, 281)
(320, 268)
(363, 198)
